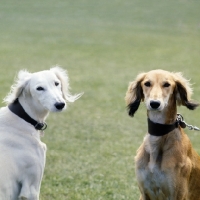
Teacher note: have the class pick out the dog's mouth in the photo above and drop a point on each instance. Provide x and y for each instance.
(57, 107)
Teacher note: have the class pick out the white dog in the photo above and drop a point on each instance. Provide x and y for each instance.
(22, 154)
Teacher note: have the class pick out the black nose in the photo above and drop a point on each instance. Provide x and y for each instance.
(155, 104)
(59, 106)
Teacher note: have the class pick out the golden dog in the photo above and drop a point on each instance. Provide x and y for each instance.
(167, 167)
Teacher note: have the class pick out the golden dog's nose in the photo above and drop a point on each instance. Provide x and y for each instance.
(154, 104)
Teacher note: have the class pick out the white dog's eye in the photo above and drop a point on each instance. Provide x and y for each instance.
(56, 83)
(40, 88)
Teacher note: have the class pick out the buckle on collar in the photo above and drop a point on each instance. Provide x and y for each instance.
(41, 126)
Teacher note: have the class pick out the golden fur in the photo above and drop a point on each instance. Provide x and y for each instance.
(167, 167)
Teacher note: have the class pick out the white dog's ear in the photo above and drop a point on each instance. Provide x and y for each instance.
(20, 84)
(63, 77)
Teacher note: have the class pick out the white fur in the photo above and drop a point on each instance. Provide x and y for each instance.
(23, 154)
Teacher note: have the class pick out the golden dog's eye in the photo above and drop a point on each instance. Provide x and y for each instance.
(56, 83)
(166, 85)
(148, 84)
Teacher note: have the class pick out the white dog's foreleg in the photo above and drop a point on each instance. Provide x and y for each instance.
(29, 192)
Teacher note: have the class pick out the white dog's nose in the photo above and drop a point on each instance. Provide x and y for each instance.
(59, 106)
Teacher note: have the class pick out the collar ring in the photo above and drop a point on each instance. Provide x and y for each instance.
(41, 126)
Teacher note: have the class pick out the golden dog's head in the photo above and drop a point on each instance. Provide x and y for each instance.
(157, 88)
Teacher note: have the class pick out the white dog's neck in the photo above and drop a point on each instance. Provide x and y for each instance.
(33, 109)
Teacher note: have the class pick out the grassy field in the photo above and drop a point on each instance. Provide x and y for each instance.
(103, 45)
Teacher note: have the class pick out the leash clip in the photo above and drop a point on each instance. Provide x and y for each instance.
(183, 124)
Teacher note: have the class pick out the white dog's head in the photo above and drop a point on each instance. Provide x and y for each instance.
(47, 90)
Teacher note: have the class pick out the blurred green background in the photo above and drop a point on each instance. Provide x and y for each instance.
(103, 45)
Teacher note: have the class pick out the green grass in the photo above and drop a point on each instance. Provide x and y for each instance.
(103, 45)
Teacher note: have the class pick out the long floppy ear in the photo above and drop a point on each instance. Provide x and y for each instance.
(134, 94)
(63, 77)
(183, 92)
(17, 88)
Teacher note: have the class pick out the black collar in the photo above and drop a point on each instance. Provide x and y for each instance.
(16, 108)
(157, 129)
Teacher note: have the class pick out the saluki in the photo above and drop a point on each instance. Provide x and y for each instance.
(22, 157)
(166, 165)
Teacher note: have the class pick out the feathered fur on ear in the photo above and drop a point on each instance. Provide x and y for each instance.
(134, 94)
(17, 88)
(63, 77)
(183, 92)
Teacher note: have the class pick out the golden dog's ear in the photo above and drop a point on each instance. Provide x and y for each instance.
(183, 92)
(134, 94)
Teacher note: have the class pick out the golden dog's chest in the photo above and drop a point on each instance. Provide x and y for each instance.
(154, 182)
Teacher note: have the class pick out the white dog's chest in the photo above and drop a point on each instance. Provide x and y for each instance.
(23, 162)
